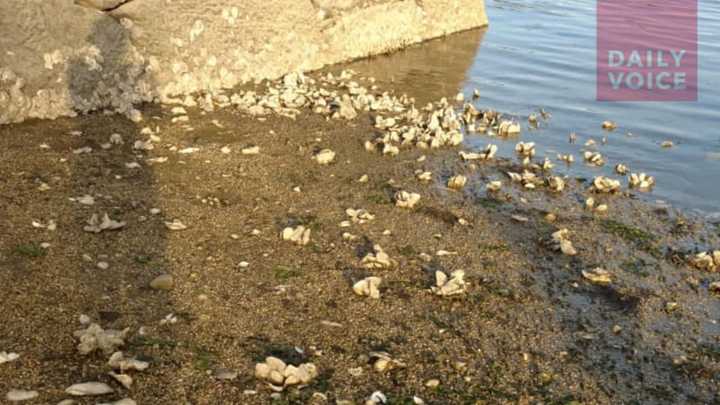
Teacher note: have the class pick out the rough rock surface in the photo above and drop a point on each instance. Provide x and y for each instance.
(60, 57)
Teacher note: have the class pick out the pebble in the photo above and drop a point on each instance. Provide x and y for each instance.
(163, 282)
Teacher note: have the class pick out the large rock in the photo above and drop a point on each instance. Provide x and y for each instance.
(59, 57)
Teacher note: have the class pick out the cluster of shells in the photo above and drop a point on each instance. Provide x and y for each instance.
(280, 375)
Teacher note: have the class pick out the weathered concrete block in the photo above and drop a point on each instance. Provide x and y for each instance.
(60, 57)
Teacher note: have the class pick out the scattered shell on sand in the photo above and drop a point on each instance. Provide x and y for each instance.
(118, 362)
(359, 216)
(706, 260)
(563, 243)
(124, 379)
(377, 259)
(641, 181)
(6, 357)
(594, 158)
(487, 154)
(556, 184)
(452, 285)
(252, 150)
(363, 179)
(598, 276)
(89, 388)
(621, 169)
(493, 186)
(21, 395)
(528, 179)
(95, 337)
(368, 287)
(175, 225)
(382, 362)
(96, 226)
(423, 176)
(324, 157)
(405, 199)
(457, 182)
(299, 235)
(280, 375)
(606, 185)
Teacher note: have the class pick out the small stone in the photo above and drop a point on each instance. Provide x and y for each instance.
(163, 282)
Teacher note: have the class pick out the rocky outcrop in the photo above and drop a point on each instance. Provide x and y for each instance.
(61, 57)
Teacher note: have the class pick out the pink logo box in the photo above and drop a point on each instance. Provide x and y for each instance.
(647, 50)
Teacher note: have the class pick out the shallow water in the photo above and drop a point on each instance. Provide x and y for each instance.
(541, 54)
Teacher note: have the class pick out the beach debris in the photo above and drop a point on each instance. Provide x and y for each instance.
(487, 154)
(528, 179)
(250, 150)
(562, 242)
(556, 184)
(94, 337)
(604, 184)
(95, 225)
(359, 216)
(162, 282)
(118, 362)
(298, 235)
(280, 375)
(324, 157)
(377, 259)
(175, 225)
(124, 401)
(6, 357)
(423, 176)
(667, 144)
(457, 182)
(706, 260)
(368, 287)
(376, 398)
(494, 186)
(598, 276)
(449, 285)
(124, 379)
(594, 158)
(609, 125)
(525, 149)
(621, 169)
(405, 199)
(508, 128)
(572, 138)
(21, 395)
(89, 388)
(382, 362)
(641, 181)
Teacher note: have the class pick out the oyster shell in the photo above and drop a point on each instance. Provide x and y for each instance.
(368, 287)
(405, 199)
(299, 235)
(457, 182)
(452, 285)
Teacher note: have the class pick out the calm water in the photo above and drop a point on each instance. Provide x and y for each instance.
(541, 54)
